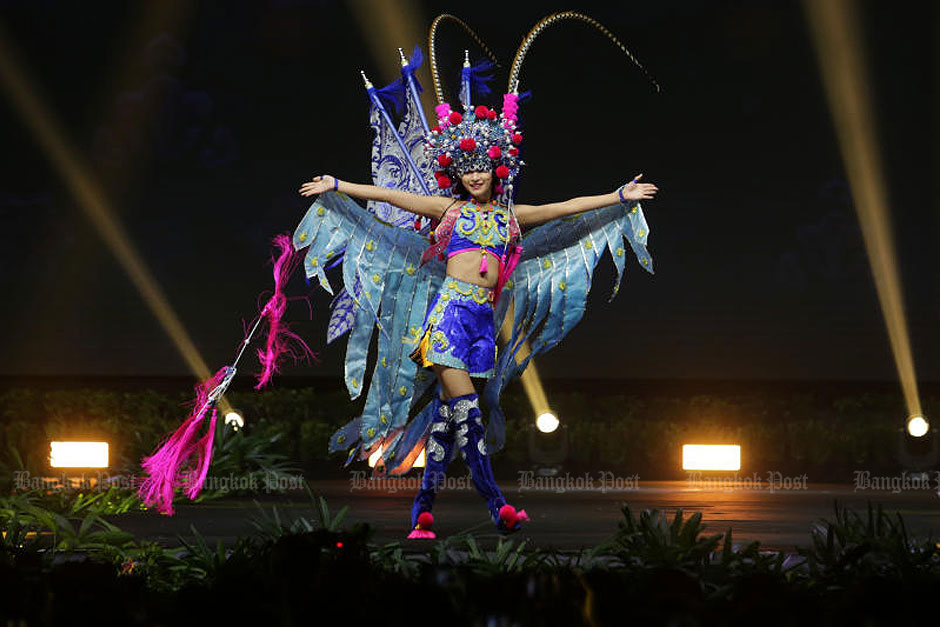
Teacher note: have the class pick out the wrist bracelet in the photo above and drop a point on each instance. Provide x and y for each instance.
(620, 193)
(335, 184)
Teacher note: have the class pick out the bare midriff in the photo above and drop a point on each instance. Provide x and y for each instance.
(465, 265)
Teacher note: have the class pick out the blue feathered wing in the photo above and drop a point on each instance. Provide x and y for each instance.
(394, 290)
(550, 285)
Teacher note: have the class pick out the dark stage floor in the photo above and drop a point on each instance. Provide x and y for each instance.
(568, 521)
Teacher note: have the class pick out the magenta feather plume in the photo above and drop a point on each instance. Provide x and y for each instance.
(165, 467)
(281, 340)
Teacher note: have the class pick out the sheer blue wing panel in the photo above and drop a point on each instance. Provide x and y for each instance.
(352, 269)
(357, 349)
(308, 226)
(556, 293)
(344, 438)
(402, 370)
(422, 381)
(373, 262)
(384, 281)
(426, 288)
(328, 244)
(328, 240)
(521, 297)
(361, 258)
(376, 415)
(638, 235)
(392, 376)
(613, 231)
(406, 372)
(558, 233)
(527, 274)
(527, 293)
(535, 240)
(505, 301)
(305, 234)
(389, 452)
(545, 266)
(554, 329)
(574, 273)
(578, 286)
(414, 432)
(496, 420)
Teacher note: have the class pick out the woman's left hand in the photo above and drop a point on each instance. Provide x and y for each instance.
(318, 185)
(634, 190)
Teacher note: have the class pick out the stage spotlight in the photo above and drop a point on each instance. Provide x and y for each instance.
(78, 454)
(711, 457)
(917, 426)
(234, 418)
(547, 422)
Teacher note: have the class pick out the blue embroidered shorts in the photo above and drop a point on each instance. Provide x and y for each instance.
(459, 329)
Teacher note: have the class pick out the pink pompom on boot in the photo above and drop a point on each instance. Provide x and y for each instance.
(423, 528)
(510, 519)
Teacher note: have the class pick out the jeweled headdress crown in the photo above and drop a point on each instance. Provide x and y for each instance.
(477, 140)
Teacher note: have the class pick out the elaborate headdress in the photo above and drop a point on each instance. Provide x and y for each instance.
(478, 139)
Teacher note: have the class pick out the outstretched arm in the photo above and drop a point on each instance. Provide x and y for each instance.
(427, 206)
(530, 215)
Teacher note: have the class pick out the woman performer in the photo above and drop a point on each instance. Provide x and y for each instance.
(459, 338)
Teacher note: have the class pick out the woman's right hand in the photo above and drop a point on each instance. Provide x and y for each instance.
(318, 185)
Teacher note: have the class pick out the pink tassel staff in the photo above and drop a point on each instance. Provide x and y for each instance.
(183, 459)
(165, 468)
(281, 340)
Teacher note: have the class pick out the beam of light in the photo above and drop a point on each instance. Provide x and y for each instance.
(837, 37)
(386, 26)
(711, 457)
(78, 454)
(90, 197)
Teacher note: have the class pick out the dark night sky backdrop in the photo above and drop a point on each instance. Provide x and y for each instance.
(760, 266)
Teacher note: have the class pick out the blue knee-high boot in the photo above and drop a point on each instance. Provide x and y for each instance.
(469, 437)
(438, 454)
